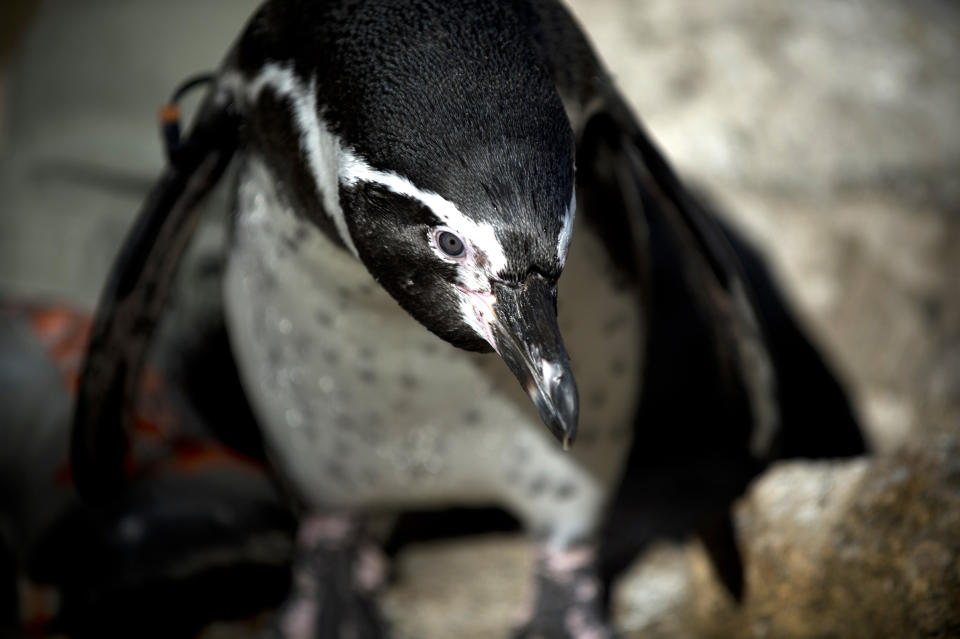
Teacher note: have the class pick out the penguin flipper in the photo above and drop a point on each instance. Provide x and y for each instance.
(131, 302)
(828, 427)
(655, 207)
(689, 460)
(752, 314)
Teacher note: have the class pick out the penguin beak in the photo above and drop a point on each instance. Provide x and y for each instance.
(528, 339)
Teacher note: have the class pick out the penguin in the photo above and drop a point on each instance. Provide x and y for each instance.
(461, 274)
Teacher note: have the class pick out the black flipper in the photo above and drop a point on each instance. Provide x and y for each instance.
(134, 295)
(691, 452)
(729, 374)
(719, 536)
(827, 426)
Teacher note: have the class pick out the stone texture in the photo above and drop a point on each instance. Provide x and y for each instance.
(472, 589)
(863, 548)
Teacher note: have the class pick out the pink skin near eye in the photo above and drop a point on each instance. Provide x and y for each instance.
(483, 309)
(481, 302)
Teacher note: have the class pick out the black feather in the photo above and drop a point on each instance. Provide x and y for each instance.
(130, 303)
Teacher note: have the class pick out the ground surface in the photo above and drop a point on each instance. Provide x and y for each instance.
(828, 130)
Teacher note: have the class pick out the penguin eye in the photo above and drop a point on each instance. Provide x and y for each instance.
(450, 244)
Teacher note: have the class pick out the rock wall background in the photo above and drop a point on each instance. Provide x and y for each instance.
(828, 130)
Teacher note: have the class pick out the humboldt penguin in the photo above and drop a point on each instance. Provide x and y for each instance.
(433, 202)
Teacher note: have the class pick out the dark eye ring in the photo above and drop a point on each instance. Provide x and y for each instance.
(450, 244)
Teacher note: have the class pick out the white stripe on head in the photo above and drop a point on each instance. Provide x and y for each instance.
(476, 300)
(323, 149)
(481, 235)
(332, 162)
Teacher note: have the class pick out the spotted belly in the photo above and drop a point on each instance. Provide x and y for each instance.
(363, 408)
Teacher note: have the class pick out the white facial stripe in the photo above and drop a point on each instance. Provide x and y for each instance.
(331, 162)
(480, 235)
(566, 233)
(324, 150)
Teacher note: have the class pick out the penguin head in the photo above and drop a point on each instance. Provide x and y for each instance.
(443, 257)
(476, 258)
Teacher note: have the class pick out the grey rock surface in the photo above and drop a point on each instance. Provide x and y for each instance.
(857, 549)
(863, 548)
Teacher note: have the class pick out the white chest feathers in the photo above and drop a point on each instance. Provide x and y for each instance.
(362, 407)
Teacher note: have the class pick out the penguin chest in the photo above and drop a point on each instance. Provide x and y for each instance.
(361, 406)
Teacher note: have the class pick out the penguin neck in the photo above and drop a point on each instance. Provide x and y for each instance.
(289, 214)
(288, 247)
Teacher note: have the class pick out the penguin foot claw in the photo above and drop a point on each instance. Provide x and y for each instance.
(335, 580)
(569, 598)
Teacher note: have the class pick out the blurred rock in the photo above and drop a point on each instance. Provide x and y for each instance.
(857, 549)
(469, 589)
(794, 96)
(861, 549)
